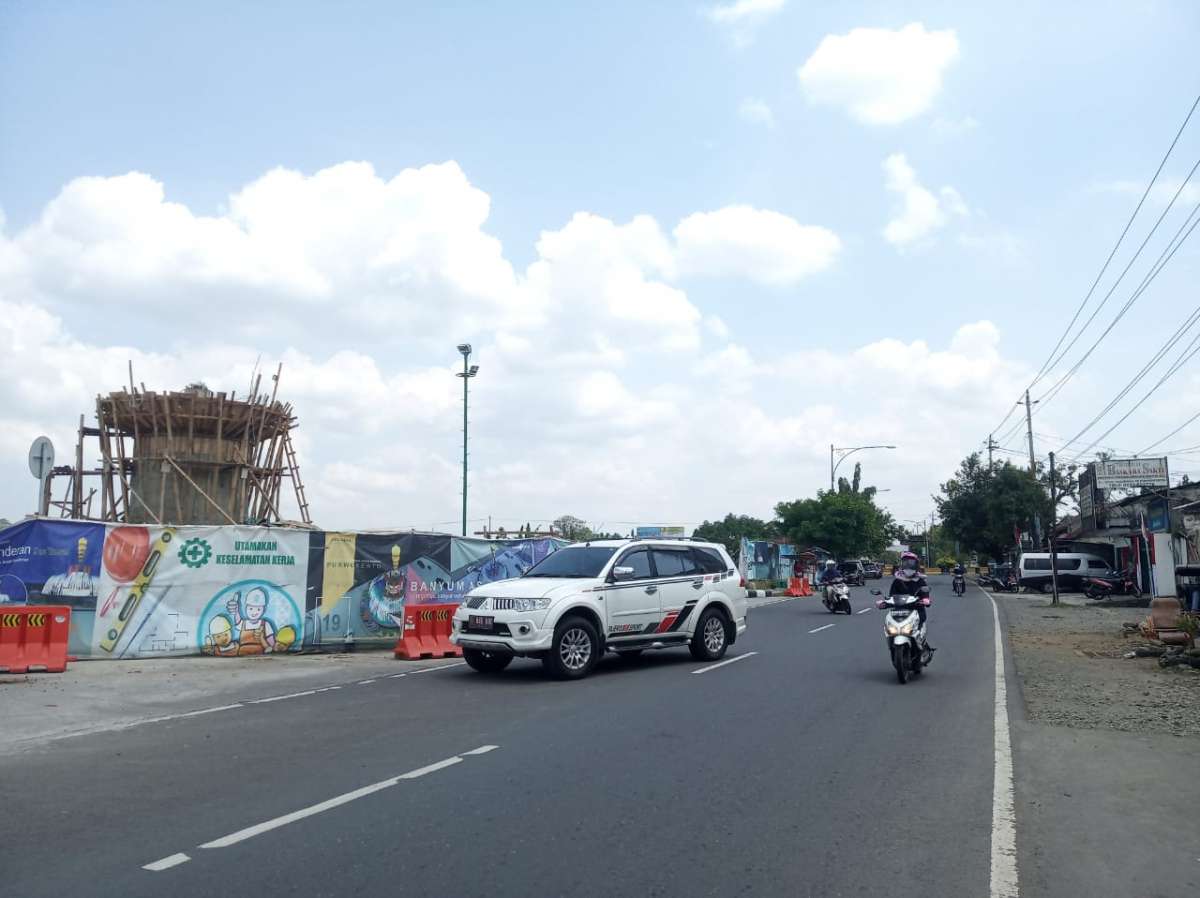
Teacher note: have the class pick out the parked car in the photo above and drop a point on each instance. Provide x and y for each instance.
(853, 572)
(1074, 568)
(622, 596)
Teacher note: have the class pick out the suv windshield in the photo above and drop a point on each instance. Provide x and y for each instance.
(573, 561)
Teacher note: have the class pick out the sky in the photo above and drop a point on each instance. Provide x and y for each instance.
(692, 245)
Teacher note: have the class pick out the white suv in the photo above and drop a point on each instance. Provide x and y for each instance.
(616, 595)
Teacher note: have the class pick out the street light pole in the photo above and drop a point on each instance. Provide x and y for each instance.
(848, 451)
(467, 373)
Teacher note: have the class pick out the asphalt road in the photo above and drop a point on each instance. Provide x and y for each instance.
(803, 769)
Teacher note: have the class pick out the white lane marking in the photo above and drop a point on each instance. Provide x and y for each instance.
(740, 657)
(204, 711)
(365, 682)
(396, 676)
(279, 698)
(482, 750)
(430, 768)
(328, 688)
(865, 610)
(819, 629)
(432, 669)
(166, 863)
(337, 801)
(1004, 880)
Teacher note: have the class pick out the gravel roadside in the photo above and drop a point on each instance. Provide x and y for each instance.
(1072, 673)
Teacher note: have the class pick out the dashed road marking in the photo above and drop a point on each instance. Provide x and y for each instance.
(865, 610)
(365, 682)
(337, 801)
(819, 629)
(443, 667)
(166, 863)
(280, 698)
(741, 657)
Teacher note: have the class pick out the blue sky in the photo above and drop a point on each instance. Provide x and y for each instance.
(1034, 141)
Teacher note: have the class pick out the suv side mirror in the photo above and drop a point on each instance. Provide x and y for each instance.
(621, 573)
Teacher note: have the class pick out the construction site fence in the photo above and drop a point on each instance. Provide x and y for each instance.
(139, 591)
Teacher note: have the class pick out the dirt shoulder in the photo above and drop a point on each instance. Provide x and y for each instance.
(1072, 672)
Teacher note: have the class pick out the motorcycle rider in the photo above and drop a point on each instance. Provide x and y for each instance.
(829, 575)
(960, 573)
(909, 581)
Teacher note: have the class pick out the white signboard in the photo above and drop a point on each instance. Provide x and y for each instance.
(1125, 473)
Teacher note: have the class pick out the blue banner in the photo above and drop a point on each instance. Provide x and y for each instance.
(51, 562)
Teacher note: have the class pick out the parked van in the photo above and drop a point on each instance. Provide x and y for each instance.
(1073, 569)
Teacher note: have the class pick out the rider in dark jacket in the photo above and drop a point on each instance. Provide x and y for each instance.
(909, 581)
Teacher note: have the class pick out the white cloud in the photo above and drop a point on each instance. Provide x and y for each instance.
(879, 76)
(764, 246)
(606, 389)
(743, 17)
(1160, 194)
(756, 112)
(921, 212)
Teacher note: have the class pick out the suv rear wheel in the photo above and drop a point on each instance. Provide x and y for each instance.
(711, 638)
(486, 662)
(574, 650)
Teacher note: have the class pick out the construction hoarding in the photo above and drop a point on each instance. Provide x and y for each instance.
(143, 591)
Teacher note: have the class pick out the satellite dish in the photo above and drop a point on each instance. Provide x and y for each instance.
(41, 458)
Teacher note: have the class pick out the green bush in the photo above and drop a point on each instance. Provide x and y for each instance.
(946, 562)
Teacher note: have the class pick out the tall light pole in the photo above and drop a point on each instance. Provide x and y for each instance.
(846, 451)
(466, 374)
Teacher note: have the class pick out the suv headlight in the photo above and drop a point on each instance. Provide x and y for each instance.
(530, 604)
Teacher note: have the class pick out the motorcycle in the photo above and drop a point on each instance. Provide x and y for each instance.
(960, 584)
(905, 633)
(836, 597)
(1103, 587)
(1008, 583)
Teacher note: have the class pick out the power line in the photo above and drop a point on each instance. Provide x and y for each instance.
(1154, 360)
(1164, 257)
(1187, 353)
(1108, 261)
(1171, 434)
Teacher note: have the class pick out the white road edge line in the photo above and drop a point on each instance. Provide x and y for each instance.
(365, 682)
(432, 669)
(166, 863)
(865, 610)
(1004, 880)
(329, 804)
(740, 657)
(396, 676)
(819, 629)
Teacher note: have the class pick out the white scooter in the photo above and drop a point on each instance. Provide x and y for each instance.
(905, 632)
(837, 597)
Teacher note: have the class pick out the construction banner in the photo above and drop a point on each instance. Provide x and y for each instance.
(145, 591)
(222, 591)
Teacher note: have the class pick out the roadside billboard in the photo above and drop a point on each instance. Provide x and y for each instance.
(1130, 473)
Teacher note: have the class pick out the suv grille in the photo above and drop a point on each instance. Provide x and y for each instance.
(476, 602)
(503, 604)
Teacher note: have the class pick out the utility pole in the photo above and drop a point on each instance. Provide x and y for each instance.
(466, 374)
(1053, 524)
(831, 467)
(1029, 432)
(1037, 524)
(991, 446)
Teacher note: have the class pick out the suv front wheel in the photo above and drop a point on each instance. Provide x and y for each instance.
(711, 638)
(486, 662)
(574, 650)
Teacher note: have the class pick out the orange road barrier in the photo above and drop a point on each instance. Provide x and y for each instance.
(426, 633)
(34, 636)
(795, 587)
